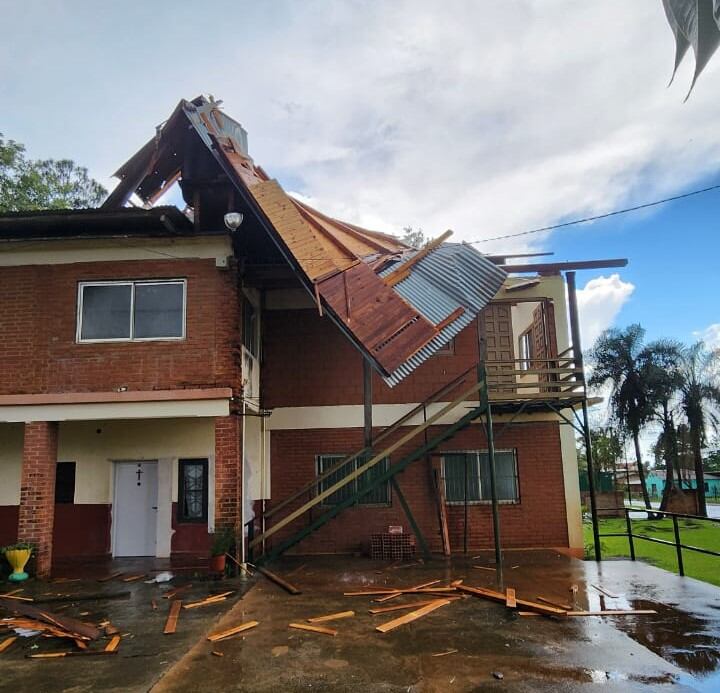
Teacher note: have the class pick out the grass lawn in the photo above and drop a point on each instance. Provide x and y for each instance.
(704, 535)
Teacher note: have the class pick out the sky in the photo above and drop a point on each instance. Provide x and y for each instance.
(483, 117)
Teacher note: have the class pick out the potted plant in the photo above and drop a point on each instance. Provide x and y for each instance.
(223, 541)
(17, 556)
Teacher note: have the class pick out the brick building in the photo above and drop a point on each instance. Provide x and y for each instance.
(164, 373)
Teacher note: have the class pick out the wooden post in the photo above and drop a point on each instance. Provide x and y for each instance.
(578, 356)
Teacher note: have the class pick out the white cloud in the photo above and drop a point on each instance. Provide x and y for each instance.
(710, 335)
(599, 303)
(487, 118)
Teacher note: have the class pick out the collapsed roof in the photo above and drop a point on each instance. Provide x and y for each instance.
(397, 304)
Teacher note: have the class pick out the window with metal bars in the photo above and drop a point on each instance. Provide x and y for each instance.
(192, 490)
(380, 495)
(467, 476)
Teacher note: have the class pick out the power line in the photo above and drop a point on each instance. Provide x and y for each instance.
(600, 216)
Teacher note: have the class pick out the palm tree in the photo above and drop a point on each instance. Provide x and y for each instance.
(660, 366)
(700, 399)
(617, 359)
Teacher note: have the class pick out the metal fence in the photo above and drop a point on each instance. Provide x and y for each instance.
(679, 546)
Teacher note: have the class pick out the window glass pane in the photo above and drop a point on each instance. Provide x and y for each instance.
(505, 475)
(193, 490)
(455, 477)
(65, 482)
(158, 310)
(106, 312)
(327, 461)
(380, 494)
(249, 336)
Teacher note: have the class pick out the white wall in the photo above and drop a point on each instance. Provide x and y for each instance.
(93, 452)
(11, 448)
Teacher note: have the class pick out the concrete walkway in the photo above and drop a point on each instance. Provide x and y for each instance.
(678, 647)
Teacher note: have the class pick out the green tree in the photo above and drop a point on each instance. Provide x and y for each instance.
(617, 359)
(414, 238)
(700, 399)
(660, 366)
(712, 460)
(27, 185)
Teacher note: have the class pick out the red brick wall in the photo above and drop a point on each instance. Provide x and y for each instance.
(309, 362)
(37, 490)
(228, 484)
(38, 352)
(538, 520)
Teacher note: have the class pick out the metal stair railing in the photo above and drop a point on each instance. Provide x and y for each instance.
(388, 474)
(322, 495)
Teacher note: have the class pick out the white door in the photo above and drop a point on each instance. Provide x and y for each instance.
(134, 511)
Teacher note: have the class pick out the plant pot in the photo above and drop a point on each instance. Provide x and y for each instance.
(217, 563)
(18, 559)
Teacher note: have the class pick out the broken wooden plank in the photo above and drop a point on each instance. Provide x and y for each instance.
(134, 578)
(510, 601)
(232, 631)
(605, 592)
(331, 617)
(314, 629)
(113, 644)
(412, 605)
(5, 644)
(13, 596)
(171, 623)
(217, 653)
(547, 610)
(212, 599)
(452, 650)
(176, 590)
(483, 567)
(412, 616)
(557, 605)
(278, 580)
(407, 590)
(112, 576)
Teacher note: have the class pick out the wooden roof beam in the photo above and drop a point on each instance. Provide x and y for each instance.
(402, 272)
(555, 267)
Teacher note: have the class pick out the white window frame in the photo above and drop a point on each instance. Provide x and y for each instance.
(132, 283)
(482, 501)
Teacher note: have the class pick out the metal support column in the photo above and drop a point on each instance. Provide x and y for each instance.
(493, 490)
(411, 519)
(367, 402)
(577, 353)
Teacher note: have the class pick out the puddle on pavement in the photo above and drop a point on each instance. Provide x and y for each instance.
(690, 643)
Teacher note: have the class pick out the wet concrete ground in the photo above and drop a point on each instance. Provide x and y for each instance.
(145, 653)
(678, 647)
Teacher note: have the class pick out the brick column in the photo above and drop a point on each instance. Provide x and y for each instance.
(228, 471)
(37, 490)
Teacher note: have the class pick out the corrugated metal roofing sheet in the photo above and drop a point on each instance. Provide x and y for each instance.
(452, 276)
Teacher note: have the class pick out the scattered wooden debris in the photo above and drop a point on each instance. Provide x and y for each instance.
(412, 616)
(5, 644)
(398, 607)
(483, 567)
(314, 629)
(452, 650)
(112, 576)
(278, 580)
(398, 592)
(217, 653)
(510, 601)
(212, 599)
(232, 631)
(11, 595)
(171, 623)
(111, 630)
(113, 644)
(331, 617)
(605, 592)
(71, 627)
